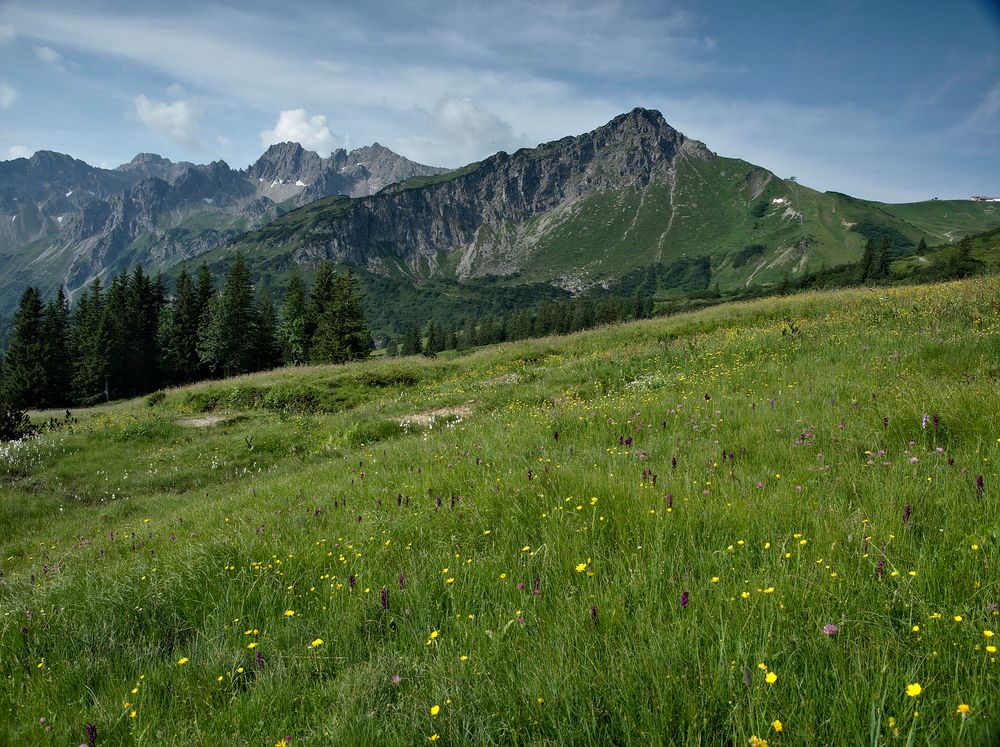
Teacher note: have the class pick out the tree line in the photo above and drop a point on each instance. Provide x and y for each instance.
(130, 337)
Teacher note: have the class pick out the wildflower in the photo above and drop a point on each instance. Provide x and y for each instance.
(182, 661)
(756, 741)
(91, 731)
(684, 600)
(988, 633)
(770, 678)
(593, 613)
(536, 586)
(581, 567)
(317, 643)
(907, 510)
(715, 579)
(433, 738)
(980, 485)
(384, 597)
(991, 649)
(463, 658)
(830, 630)
(963, 710)
(435, 710)
(777, 726)
(880, 568)
(289, 613)
(958, 618)
(914, 689)
(923, 421)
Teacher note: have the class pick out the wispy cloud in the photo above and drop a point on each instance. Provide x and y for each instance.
(985, 117)
(175, 122)
(47, 55)
(8, 95)
(19, 151)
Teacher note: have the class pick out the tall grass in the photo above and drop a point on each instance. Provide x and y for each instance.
(617, 541)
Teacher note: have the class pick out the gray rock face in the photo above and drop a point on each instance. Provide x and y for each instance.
(62, 218)
(415, 225)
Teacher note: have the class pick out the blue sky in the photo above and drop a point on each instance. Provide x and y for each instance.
(892, 100)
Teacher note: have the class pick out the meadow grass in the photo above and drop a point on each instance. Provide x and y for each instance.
(616, 537)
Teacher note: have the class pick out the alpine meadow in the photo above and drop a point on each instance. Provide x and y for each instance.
(587, 434)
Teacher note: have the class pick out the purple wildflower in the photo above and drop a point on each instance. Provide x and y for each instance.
(880, 568)
(385, 597)
(923, 421)
(980, 486)
(396, 679)
(670, 500)
(593, 613)
(907, 511)
(830, 630)
(937, 421)
(555, 436)
(258, 660)
(536, 586)
(351, 581)
(684, 600)
(91, 732)
(402, 580)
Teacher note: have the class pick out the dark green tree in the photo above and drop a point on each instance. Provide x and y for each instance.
(179, 348)
(226, 344)
(266, 344)
(293, 328)
(882, 260)
(57, 352)
(90, 366)
(867, 265)
(24, 382)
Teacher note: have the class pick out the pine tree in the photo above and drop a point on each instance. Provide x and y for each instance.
(115, 331)
(292, 331)
(57, 352)
(266, 344)
(90, 346)
(411, 341)
(867, 262)
(882, 259)
(348, 311)
(391, 348)
(24, 381)
(179, 346)
(144, 300)
(226, 345)
(204, 293)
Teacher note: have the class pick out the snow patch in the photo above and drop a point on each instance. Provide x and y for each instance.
(208, 200)
(59, 219)
(779, 201)
(69, 193)
(300, 183)
(13, 218)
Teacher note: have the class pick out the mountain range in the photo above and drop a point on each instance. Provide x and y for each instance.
(65, 222)
(572, 215)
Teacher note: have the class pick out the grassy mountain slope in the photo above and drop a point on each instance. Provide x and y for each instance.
(947, 221)
(595, 539)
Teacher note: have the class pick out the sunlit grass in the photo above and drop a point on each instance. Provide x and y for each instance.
(677, 531)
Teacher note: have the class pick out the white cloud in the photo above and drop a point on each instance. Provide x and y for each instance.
(176, 122)
(297, 126)
(19, 151)
(8, 95)
(47, 55)
(7, 35)
(984, 116)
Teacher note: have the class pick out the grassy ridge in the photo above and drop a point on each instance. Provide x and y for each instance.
(796, 486)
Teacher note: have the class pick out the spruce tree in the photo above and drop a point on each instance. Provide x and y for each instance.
(226, 343)
(90, 346)
(411, 341)
(266, 345)
(881, 270)
(867, 265)
(292, 331)
(179, 347)
(57, 352)
(116, 329)
(24, 380)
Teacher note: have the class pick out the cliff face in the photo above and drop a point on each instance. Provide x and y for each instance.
(463, 216)
(64, 221)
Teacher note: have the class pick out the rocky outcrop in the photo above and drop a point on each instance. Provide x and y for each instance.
(414, 225)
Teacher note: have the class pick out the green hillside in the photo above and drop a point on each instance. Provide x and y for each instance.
(683, 530)
(947, 220)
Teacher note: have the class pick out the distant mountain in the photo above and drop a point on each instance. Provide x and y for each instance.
(63, 221)
(634, 204)
(583, 212)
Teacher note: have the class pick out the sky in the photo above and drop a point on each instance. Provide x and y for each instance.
(894, 100)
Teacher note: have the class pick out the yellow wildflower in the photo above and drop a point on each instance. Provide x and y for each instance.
(914, 689)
